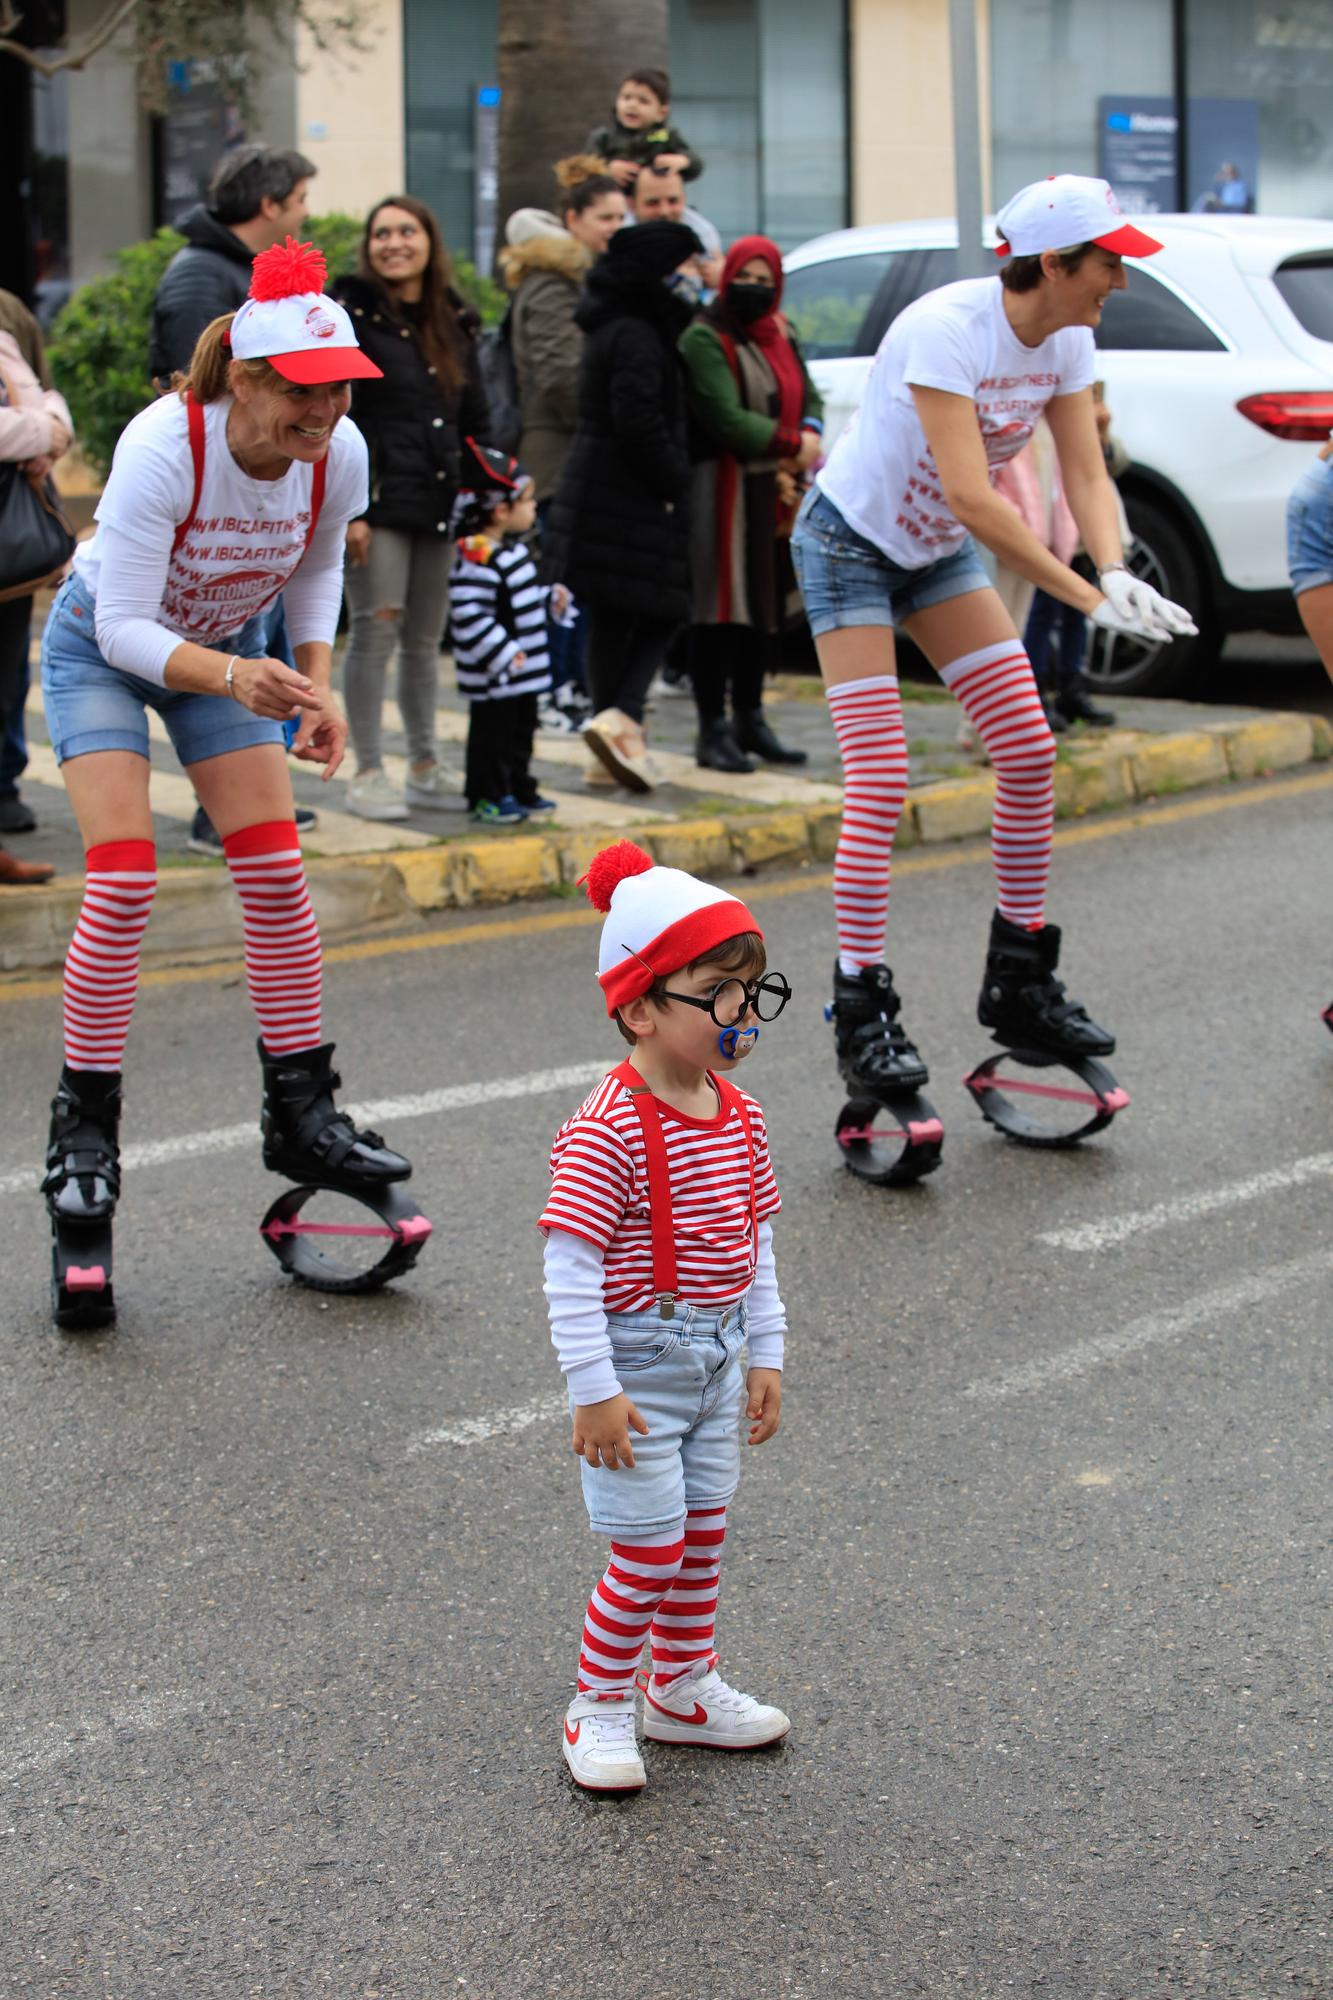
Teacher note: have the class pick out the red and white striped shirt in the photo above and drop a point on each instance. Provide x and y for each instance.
(599, 1191)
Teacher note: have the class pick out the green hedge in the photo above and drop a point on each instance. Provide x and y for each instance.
(99, 343)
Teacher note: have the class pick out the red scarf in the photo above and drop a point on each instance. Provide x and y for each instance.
(770, 332)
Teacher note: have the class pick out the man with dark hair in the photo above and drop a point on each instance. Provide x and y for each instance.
(256, 198)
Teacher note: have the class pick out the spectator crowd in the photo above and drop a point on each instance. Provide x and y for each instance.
(644, 402)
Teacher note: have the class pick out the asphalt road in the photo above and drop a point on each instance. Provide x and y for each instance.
(291, 1587)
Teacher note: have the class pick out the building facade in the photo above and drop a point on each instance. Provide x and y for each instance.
(809, 115)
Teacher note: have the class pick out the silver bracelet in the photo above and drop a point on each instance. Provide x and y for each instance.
(1111, 568)
(227, 681)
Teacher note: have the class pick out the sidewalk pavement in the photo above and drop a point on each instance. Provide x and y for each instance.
(368, 876)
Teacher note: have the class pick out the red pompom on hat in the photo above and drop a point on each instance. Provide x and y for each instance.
(291, 322)
(609, 869)
(657, 920)
(287, 269)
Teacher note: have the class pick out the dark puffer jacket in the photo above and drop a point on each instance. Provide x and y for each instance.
(211, 275)
(413, 427)
(619, 531)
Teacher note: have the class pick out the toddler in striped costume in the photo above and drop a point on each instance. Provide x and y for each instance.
(497, 618)
(659, 1272)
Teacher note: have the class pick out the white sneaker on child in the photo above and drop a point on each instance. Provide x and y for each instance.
(699, 1707)
(599, 1744)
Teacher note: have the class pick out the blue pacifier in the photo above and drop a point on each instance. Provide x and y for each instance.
(735, 1042)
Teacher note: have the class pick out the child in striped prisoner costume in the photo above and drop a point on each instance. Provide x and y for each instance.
(885, 539)
(659, 1269)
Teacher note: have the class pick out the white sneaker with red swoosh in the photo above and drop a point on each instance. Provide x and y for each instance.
(599, 1745)
(699, 1707)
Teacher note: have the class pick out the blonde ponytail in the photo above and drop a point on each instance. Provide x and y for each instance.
(209, 374)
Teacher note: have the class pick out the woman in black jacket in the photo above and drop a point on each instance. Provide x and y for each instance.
(619, 530)
(413, 324)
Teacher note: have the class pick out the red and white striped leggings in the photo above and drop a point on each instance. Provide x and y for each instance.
(996, 689)
(282, 950)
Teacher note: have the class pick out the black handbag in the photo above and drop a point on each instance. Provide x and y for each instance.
(36, 540)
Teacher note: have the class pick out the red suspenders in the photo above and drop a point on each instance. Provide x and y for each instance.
(195, 416)
(659, 1178)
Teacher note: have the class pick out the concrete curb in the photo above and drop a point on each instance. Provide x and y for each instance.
(196, 917)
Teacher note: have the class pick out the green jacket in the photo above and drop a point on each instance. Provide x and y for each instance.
(614, 141)
(716, 405)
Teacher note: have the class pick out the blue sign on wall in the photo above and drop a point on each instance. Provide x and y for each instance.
(1136, 152)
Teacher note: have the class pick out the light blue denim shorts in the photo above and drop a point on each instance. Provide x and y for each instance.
(1310, 527)
(846, 580)
(684, 1377)
(93, 706)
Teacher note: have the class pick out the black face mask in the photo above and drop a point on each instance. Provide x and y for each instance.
(747, 303)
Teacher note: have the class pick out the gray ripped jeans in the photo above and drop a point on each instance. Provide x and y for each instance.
(399, 597)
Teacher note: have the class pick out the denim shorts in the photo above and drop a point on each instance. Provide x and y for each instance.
(1310, 528)
(684, 1377)
(846, 580)
(93, 706)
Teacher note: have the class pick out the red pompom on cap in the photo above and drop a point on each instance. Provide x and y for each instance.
(610, 868)
(287, 270)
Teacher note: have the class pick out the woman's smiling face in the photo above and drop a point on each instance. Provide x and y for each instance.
(289, 418)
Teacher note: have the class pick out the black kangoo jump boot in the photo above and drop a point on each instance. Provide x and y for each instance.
(82, 1179)
(307, 1138)
(875, 1055)
(1023, 1003)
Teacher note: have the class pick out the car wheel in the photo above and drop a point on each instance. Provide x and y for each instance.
(1164, 557)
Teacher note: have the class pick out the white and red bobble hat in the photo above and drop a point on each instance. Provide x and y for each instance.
(658, 919)
(1064, 211)
(290, 321)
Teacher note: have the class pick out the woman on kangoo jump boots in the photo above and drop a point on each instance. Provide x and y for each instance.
(235, 487)
(887, 538)
(659, 1271)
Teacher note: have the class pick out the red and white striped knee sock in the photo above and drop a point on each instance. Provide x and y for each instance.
(620, 1613)
(998, 693)
(868, 723)
(283, 960)
(102, 964)
(683, 1627)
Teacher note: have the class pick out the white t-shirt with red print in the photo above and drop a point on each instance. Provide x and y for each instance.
(246, 543)
(880, 474)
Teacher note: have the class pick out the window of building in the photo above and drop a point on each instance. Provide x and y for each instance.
(1150, 316)
(1052, 61)
(759, 89)
(1270, 64)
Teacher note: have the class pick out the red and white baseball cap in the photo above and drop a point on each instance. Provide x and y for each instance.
(1066, 210)
(658, 919)
(290, 322)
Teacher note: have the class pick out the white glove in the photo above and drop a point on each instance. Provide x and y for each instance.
(1133, 607)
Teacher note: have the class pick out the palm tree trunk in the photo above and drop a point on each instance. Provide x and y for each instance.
(559, 69)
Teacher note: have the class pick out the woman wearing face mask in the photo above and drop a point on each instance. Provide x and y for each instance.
(422, 335)
(544, 263)
(758, 415)
(618, 533)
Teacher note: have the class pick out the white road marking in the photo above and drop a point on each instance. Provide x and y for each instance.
(52, 1742)
(500, 1423)
(385, 1110)
(1186, 1207)
(1153, 1329)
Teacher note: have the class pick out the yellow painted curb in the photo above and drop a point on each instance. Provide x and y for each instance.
(1179, 763)
(696, 845)
(1271, 743)
(952, 811)
(1090, 782)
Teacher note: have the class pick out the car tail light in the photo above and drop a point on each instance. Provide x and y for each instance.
(1304, 414)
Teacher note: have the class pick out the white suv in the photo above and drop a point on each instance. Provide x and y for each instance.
(1218, 362)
